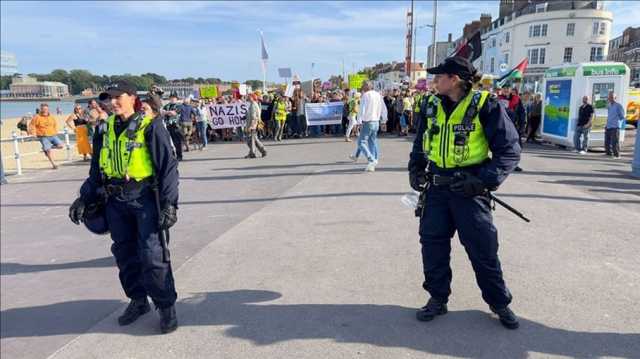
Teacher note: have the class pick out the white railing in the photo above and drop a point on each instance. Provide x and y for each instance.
(17, 139)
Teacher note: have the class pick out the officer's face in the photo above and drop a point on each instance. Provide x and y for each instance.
(444, 83)
(123, 104)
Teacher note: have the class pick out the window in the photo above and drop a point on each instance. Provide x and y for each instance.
(533, 56)
(541, 7)
(538, 30)
(493, 42)
(599, 28)
(571, 29)
(603, 28)
(541, 58)
(596, 54)
(506, 59)
(506, 37)
(544, 30)
(493, 65)
(568, 54)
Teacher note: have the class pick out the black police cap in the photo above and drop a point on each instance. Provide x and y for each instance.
(455, 65)
(117, 89)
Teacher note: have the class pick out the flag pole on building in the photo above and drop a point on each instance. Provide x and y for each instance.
(264, 56)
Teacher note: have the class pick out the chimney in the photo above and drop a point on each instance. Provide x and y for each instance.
(449, 38)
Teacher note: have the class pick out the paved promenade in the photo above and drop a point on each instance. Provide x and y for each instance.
(303, 255)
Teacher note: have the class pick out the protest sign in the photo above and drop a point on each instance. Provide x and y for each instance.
(284, 72)
(289, 91)
(323, 113)
(209, 91)
(356, 80)
(229, 115)
(422, 84)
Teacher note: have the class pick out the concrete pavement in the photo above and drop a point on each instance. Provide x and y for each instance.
(301, 254)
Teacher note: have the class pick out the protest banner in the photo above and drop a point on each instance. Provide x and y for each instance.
(228, 115)
(323, 113)
(209, 91)
(422, 84)
(356, 80)
(289, 91)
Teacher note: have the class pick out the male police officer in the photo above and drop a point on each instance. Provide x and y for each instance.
(450, 161)
(134, 167)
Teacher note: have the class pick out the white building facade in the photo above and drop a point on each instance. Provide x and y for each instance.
(547, 37)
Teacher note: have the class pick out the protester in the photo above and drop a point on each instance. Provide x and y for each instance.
(279, 116)
(299, 100)
(78, 122)
(171, 122)
(352, 109)
(265, 114)
(406, 116)
(535, 117)
(23, 124)
(251, 128)
(45, 127)
(372, 112)
(187, 114)
(615, 119)
(398, 107)
(518, 115)
(202, 119)
(585, 119)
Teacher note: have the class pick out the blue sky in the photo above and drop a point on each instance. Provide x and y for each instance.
(221, 39)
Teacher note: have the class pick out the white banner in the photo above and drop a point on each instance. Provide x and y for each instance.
(323, 113)
(229, 115)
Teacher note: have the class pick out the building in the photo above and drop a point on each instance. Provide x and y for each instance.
(626, 48)
(547, 33)
(8, 64)
(394, 73)
(181, 89)
(471, 28)
(25, 86)
(418, 72)
(443, 49)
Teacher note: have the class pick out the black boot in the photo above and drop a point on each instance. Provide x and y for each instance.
(433, 308)
(507, 317)
(135, 309)
(168, 319)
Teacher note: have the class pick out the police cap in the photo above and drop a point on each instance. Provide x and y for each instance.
(95, 219)
(455, 65)
(117, 89)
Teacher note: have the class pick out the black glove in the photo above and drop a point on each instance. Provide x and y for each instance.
(168, 216)
(76, 211)
(467, 185)
(417, 180)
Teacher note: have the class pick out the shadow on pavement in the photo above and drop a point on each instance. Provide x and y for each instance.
(16, 268)
(469, 333)
(272, 167)
(566, 198)
(613, 185)
(294, 174)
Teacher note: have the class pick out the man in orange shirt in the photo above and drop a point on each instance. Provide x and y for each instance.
(45, 127)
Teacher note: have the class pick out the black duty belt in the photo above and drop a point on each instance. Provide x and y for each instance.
(118, 188)
(440, 180)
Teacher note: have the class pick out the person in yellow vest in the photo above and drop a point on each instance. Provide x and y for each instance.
(134, 178)
(465, 146)
(279, 116)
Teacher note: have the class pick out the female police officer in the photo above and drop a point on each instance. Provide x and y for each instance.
(450, 160)
(133, 166)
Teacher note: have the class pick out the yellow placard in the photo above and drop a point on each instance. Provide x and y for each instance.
(356, 80)
(209, 91)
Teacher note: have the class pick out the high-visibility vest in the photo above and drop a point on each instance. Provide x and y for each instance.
(281, 111)
(124, 157)
(447, 142)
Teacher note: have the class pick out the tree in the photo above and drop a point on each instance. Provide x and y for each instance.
(157, 79)
(5, 81)
(80, 80)
(58, 76)
(255, 84)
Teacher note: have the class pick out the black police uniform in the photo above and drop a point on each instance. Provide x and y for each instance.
(132, 216)
(446, 212)
(174, 129)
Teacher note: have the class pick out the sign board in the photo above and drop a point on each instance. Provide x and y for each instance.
(284, 72)
(604, 70)
(209, 91)
(556, 107)
(422, 84)
(323, 113)
(243, 89)
(289, 91)
(503, 67)
(356, 80)
(228, 115)
(561, 72)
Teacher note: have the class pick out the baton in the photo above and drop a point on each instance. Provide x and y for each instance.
(508, 207)
(164, 234)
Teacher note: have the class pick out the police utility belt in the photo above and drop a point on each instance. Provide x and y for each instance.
(122, 189)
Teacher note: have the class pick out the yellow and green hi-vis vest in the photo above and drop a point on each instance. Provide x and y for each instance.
(443, 147)
(281, 111)
(125, 158)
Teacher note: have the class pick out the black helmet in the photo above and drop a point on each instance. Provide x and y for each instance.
(95, 218)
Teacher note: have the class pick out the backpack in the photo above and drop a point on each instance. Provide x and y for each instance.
(23, 125)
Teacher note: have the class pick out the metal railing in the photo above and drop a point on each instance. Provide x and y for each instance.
(17, 155)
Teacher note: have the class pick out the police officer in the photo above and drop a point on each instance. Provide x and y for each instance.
(134, 167)
(171, 121)
(450, 160)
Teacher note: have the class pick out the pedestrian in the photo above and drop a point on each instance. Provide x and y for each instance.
(398, 106)
(407, 113)
(251, 128)
(45, 127)
(535, 117)
(187, 115)
(171, 117)
(265, 114)
(585, 120)
(58, 111)
(78, 122)
(518, 115)
(23, 124)
(615, 120)
(299, 101)
(138, 174)
(202, 120)
(279, 116)
(372, 112)
(352, 109)
(464, 147)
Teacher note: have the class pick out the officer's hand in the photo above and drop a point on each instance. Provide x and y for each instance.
(76, 211)
(417, 181)
(467, 185)
(168, 216)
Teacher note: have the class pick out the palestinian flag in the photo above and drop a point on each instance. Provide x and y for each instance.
(515, 73)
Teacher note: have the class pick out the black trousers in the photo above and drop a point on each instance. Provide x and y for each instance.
(534, 124)
(612, 141)
(136, 247)
(176, 138)
(444, 214)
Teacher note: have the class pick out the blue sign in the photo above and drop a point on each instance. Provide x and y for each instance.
(556, 107)
(318, 114)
